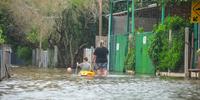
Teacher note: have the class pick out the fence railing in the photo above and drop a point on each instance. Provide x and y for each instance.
(5, 61)
(45, 58)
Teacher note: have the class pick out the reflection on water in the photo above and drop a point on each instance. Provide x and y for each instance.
(55, 84)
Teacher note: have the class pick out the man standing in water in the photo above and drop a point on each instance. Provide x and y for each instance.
(100, 59)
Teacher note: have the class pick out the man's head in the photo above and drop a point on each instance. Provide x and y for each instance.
(101, 43)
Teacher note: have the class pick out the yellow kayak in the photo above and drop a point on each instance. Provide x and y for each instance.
(87, 73)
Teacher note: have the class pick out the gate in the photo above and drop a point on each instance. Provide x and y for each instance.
(143, 62)
(5, 60)
(118, 52)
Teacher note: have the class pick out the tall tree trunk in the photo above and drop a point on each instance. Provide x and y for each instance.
(71, 52)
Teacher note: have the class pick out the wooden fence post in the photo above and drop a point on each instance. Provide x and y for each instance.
(186, 51)
(33, 57)
(55, 60)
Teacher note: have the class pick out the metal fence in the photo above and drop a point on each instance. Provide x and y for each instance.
(45, 58)
(5, 60)
(88, 52)
(147, 13)
(118, 52)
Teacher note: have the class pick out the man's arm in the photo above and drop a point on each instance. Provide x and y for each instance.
(94, 59)
(79, 65)
(94, 56)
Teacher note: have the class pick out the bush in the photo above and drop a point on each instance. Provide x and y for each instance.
(24, 53)
(130, 59)
(165, 54)
(129, 62)
(2, 37)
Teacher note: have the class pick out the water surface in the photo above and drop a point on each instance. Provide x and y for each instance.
(56, 84)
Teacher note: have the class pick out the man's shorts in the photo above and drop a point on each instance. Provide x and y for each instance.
(100, 65)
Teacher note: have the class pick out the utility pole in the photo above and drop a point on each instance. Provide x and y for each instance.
(133, 17)
(163, 12)
(110, 32)
(40, 49)
(127, 27)
(186, 63)
(100, 18)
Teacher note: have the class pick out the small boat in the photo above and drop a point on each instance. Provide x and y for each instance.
(87, 73)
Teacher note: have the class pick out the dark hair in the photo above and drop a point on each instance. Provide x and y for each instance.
(85, 58)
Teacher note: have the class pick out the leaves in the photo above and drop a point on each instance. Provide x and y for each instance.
(163, 53)
(2, 37)
(32, 36)
(130, 59)
(24, 53)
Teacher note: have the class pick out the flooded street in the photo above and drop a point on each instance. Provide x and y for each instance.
(55, 84)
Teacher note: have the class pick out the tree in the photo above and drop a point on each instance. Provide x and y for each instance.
(74, 30)
(34, 22)
(4, 21)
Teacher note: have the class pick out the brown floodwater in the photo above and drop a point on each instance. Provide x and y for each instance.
(29, 83)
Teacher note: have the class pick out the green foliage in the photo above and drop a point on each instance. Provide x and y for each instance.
(129, 62)
(130, 59)
(140, 30)
(4, 22)
(33, 36)
(174, 23)
(144, 3)
(120, 6)
(45, 44)
(163, 53)
(2, 37)
(24, 53)
(74, 31)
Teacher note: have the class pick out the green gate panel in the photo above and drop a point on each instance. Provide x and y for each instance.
(138, 53)
(121, 49)
(143, 62)
(118, 52)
